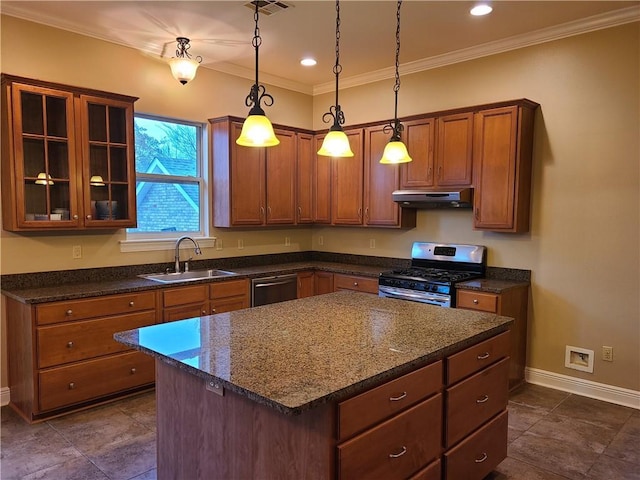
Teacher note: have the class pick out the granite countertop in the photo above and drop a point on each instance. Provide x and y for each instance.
(58, 291)
(490, 285)
(295, 355)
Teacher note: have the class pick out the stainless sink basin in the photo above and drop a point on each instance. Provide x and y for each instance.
(187, 276)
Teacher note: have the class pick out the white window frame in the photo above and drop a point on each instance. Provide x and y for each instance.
(147, 241)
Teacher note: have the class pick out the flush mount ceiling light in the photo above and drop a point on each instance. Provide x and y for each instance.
(257, 130)
(308, 62)
(481, 9)
(336, 143)
(396, 151)
(183, 67)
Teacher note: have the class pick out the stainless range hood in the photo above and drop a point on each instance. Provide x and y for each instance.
(434, 198)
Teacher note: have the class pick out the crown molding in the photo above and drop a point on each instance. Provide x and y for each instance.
(272, 80)
(569, 29)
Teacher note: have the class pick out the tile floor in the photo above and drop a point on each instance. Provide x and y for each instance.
(553, 435)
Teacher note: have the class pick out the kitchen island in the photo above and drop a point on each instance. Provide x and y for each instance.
(292, 390)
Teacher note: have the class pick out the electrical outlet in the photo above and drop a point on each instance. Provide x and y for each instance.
(372, 243)
(240, 244)
(607, 354)
(320, 240)
(287, 242)
(76, 252)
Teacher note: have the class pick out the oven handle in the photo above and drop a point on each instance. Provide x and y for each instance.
(408, 295)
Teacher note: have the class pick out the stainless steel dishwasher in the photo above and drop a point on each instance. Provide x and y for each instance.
(278, 288)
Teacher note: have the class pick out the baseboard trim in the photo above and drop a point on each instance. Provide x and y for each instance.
(586, 388)
(4, 396)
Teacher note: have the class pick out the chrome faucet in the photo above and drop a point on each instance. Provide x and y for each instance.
(177, 255)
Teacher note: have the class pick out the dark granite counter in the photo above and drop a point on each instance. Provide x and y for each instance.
(490, 285)
(296, 355)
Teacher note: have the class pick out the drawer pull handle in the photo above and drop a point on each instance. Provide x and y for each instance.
(396, 455)
(72, 386)
(69, 312)
(475, 300)
(131, 303)
(133, 370)
(482, 458)
(484, 356)
(69, 344)
(483, 399)
(398, 398)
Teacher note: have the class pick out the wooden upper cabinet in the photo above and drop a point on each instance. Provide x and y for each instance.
(55, 138)
(305, 178)
(381, 180)
(247, 186)
(347, 183)
(503, 144)
(419, 137)
(281, 180)
(454, 151)
(322, 184)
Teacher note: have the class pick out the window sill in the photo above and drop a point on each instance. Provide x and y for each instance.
(149, 244)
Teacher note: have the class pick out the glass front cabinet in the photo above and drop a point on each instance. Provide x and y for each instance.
(67, 157)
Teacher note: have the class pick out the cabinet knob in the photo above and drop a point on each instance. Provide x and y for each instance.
(399, 454)
(475, 301)
(72, 386)
(213, 310)
(131, 303)
(204, 312)
(69, 312)
(89, 217)
(75, 217)
(133, 370)
(69, 344)
(355, 284)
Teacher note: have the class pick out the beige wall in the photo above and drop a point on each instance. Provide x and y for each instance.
(586, 174)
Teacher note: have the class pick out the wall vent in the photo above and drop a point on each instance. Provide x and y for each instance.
(268, 7)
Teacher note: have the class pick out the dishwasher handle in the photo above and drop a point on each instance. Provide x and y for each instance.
(272, 284)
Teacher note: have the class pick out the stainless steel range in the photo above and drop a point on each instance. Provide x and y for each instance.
(435, 269)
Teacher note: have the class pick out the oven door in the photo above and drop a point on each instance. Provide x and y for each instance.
(414, 296)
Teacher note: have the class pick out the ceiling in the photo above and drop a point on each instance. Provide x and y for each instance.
(433, 33)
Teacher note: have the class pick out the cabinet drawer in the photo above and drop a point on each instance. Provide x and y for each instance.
(477, 357)
(373, 406)
(92, 379)
(185, 295)
(396, 448)
(181, 312)
(472, 402)
(432, 472)
(486, 302)
(479, 454)
(359, 284)
(229, 288)
(71, 342)
(94, 307)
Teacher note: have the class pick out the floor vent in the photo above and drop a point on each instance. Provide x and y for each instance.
(268, 7)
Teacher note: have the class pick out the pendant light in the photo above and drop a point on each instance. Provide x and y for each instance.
(396, 151)
(336, 143)
(257, 130)
(183, 67)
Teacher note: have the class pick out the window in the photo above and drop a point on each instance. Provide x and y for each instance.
(170, 179)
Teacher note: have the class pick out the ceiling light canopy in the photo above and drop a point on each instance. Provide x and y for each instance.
(396, 151)
(481, 9)
(336, 143)
(257, 130)
(183, 67)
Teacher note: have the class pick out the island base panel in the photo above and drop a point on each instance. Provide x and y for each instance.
(202, 434)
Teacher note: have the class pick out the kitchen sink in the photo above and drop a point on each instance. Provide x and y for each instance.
(187, 276)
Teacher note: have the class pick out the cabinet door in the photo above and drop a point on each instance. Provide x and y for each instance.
(181, 312)
(108, 162)
(454, 152)
(502, 155)
(306, 284)
(420, 137)
(380, 181)
(247, 182)
(229, 304)
(322, 184)
(43, 160)
(281, 180)
(323, 282)
(348, 176)
(304, 176)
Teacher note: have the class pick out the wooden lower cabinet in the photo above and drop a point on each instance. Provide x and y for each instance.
(323, 282)
(306, 284)
(355, 282)
(62, 355)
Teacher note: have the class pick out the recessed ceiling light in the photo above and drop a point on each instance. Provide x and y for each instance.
(308, 62)
(481, 9)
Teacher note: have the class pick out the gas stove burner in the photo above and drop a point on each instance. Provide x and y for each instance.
(434, 274)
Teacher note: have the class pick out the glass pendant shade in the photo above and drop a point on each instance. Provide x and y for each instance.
(43, 179)
(336, 144)
(395, 152)
(183, 69)
(257, 131)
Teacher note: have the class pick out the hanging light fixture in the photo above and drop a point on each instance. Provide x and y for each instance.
(257, 130)
(396, 151)
(183, 67)
(336, 143)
